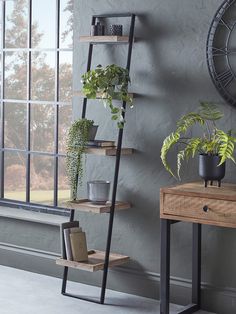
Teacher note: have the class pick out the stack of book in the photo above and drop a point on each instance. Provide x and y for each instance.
(73, 242)
(101, 143)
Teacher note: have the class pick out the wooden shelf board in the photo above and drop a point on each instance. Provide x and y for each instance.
(108, 151)
(85, 205)
(99, 95)
(95, 261)
(104, 39)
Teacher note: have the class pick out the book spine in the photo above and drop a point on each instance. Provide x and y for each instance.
(68, 244)
(66, 225)
(79, 246)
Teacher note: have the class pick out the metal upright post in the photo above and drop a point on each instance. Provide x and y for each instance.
(115, 181)
(196, 265)
(89, 62)
(65, 272)
(165, 266)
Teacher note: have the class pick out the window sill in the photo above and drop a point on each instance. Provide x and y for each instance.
(31, 216)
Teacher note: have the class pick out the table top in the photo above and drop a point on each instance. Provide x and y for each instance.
(226, 192)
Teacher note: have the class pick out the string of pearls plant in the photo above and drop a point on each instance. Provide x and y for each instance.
(77, 139)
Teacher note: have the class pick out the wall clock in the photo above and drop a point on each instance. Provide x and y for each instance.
(221, 51)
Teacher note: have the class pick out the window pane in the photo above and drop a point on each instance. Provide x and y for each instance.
(41, 180)
(65, 77)
(1, 26)
(0, 74)
(65, 119)
(63, 185)
(15, 125)
(42, 127)
(66, 23)
(14, 176)
(16, 24)
(16, 75)
(44, 23)
(43, 76)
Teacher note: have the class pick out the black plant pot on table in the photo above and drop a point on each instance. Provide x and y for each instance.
(209, 169)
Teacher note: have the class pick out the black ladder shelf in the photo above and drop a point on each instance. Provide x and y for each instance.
(103, 260)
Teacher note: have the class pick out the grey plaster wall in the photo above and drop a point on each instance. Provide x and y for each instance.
(170, 75)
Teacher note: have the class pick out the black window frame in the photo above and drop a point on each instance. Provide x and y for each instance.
(54, 209)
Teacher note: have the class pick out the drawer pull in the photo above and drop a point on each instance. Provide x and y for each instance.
(205, 208)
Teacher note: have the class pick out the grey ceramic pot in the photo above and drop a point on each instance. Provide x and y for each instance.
(92, 132)
(209, 169)
(98, 191)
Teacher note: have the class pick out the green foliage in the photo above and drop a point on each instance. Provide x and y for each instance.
(77, 139)
(210, 112)
(111, 82)
(212, 142)
(226, 146)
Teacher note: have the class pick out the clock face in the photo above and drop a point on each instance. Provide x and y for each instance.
(221, 51)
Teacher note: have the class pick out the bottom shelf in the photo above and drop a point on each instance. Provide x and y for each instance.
(95, 261)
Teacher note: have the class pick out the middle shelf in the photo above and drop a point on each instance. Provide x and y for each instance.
(86, 206)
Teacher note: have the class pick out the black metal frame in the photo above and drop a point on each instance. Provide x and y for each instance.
(165, 268)
(28, 101)
(117, 164)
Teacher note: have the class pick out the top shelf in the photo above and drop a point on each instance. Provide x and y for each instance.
(105, 39)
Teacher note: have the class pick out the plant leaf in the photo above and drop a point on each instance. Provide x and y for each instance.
(226, 146)
(189, 120)
(209, 111)
(169, 141)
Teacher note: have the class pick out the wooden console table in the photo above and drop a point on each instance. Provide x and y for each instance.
(194, 203)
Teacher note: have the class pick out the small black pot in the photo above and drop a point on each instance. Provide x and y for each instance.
(209, 169)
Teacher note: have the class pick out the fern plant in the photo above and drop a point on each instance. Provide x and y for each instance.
(77, 139)
(212, 142)
(110, 82)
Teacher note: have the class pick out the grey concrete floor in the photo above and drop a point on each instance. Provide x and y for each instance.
(24, 292)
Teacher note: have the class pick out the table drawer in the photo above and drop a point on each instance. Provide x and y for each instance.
(200, 208)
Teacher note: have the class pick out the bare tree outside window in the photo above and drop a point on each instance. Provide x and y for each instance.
(36, 95)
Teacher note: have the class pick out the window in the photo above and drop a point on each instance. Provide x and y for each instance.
(36, 95)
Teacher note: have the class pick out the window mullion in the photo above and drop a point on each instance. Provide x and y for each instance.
(29, 58)
(2, 97)
(56, 106)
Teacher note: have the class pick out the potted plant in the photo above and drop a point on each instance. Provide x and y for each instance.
(214, 146)
(108, 83)
(79, 133)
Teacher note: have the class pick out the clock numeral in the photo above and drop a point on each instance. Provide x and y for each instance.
(225, 78)
(216, 52)
(225, 24)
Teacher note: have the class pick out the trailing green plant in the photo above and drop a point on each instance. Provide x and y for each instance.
(212, 142)
(110, 83)
(77, 139)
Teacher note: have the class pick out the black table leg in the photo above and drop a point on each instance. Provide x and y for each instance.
(196, 265)
(165, 267)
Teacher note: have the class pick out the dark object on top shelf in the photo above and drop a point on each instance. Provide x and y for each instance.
(209, 169)
(97, 30)
(116, 30)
